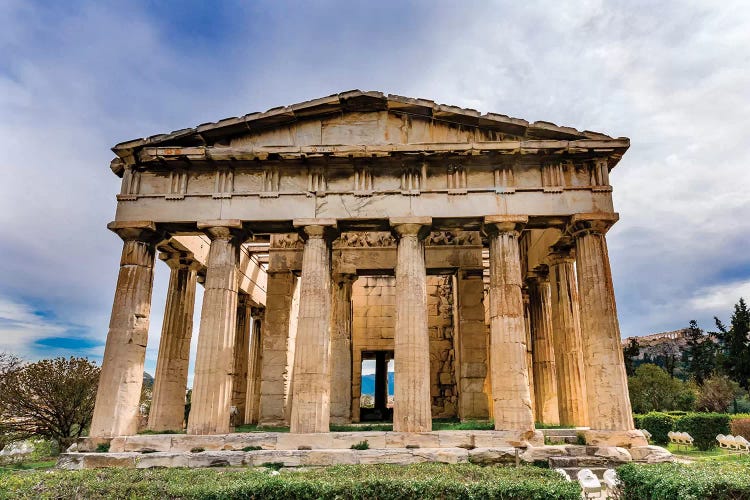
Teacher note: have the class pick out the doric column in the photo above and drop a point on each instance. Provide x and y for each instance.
(529, 352)
(510, 375)
(254, 367)
(170, 380)
(214, 361)
(545, 373)
(276, 338)
(241, 355)
(412, 410)
(566, 333)
(472, 347)
(311, 390)
(341, 349)
(118, 397)
(607, 384)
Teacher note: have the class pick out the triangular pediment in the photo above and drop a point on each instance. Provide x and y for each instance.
(358, 118)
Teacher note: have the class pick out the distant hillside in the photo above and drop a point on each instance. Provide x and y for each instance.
(368, 384)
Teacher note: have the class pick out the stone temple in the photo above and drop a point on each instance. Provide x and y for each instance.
(468, 248)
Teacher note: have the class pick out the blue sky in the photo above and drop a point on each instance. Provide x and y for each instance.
(77, 77)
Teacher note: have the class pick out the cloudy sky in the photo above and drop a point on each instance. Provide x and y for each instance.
(76, 77)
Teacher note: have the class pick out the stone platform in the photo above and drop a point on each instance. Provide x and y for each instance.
(315, 450)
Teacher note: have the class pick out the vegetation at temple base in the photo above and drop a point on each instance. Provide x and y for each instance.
(417, 481)
(697, 481)
(652, 389)
(52, 398)
(703, 428)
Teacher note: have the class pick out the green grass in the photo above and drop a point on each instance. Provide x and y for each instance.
(415, 481)
(44, 464)
(259, 428)
(712, 455)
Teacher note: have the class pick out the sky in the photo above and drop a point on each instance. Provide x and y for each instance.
(77, 77)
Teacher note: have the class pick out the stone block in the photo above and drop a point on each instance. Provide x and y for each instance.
(345, 440)
(613, 454)
(456, 439)
(651, 454)
(625, 439)
(492, 456)
(443, 455)
(217, 459)
(392, 456)
(116, 445)
(316, 441)
(187, 442)
(266, 440)
(147, 442)
(416, 439)
(162, 459)
(102, 460)
(70, 461)
(90, 443)
(536, 453)
(319, 458)
(289, 458)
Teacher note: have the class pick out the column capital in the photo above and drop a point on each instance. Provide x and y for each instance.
(494, 224)
(537, 275)
(316, 228)
(144, 231)
(591, 223)
(257, 312)
(177, 259)
(411, 226)
(345, 278)
(222, 229)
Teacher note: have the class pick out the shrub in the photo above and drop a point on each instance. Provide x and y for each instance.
(740, 427)
(659, 425)
(197, 449)
(385, 482)
(252, 448)
(362, 445)
(102, 448)
(638, 421)
(703, 427)
(695, 481)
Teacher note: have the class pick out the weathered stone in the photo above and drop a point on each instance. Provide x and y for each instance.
(70, 461)
(217, 459)
(404, 439)
(443, 455)
(492, 456)
(536, 453)
(329, 457)
(162, 459)
(650, 454)
(101, 460)
(139, 443)
(613, 454)
(625, 439)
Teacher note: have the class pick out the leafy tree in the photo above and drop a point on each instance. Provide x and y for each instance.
(735, 345)
(700, 354)
(716, 394)
(630, 352)
(52, 398)
(652, 389)
(8, 363)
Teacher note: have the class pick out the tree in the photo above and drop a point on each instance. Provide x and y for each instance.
(716, 394)
(700, 353)
(667, 356)
(8, 363)
(652, 389)
(52, 398)
(630, 352)
(735, 345)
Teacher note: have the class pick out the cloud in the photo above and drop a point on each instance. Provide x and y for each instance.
(80, 77)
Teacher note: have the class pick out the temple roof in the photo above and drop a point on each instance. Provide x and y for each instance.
(357, 101)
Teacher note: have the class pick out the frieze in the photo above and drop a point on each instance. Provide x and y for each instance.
(369, 239)
(438, 238)
(286, 241)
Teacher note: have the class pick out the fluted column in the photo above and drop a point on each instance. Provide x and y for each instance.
(214, 361)
(607, 387)
(170, 380)
(311, 390)
(566, 333)
(510, 374)
(276, 340)
(544, 369)
(341, 349)
(412, 410)
(241, 355)
(529, 351)
(254, 367)
(118, 397)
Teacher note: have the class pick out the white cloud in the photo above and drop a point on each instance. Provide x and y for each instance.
(720, 299)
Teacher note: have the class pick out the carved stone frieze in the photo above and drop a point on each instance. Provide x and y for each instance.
(369, 239)
(437, 238)
(286, 241)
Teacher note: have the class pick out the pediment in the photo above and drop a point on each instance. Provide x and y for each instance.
(358, 118)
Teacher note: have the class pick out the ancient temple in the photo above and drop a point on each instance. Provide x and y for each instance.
(468, 248)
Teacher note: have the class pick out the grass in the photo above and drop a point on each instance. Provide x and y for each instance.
(259, 428)
(43, 464)
(712, 455)
(389, 481)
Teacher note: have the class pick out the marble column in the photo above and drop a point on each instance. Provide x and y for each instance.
(412, 410)
(241, 356)
(544, 369)
(472, 347)
(254, 367)
(607, 384)
(276, 338)
(170, 380)
(117, 400)
(214, 361)
(311, 389)
(341, 349)
(566, 333)
(510, 374)
(529, 351)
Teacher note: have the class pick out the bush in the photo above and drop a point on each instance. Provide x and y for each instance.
(659, 425)
(740, 427)
(384, 482)
(696, 481)
(703, 427)
(362, 445)
(638, 421)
